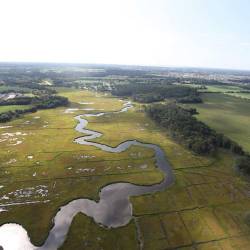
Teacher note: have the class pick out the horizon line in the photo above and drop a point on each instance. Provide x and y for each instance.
(126, 65)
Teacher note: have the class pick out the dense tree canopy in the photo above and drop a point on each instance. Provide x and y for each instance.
(25, 100)
(149, 92)
(42, 102)
(243, 164)
(184, 127)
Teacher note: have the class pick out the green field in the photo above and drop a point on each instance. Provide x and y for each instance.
(216, 88)
(13, 107)
(14, 88)
(228, 115)
(206, 208)
(222, 88)
(225, 89)
(240, 95)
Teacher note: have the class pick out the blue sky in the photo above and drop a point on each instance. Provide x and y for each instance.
(199, 33)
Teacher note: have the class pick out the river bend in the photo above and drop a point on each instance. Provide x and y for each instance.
(113, 208)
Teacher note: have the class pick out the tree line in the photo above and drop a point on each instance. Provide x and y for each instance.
(42, 102)
(185, 128)
(149, 93)
(243, 164)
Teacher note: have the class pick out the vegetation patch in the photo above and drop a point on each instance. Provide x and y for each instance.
(228, 115)
(35, 103)
(243, 164)
(196, 135)
(84, 233)
(148, 93)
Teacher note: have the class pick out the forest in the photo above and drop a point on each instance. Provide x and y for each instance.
(243, 165)
(41, 102)
(148, 93)
(185, 128)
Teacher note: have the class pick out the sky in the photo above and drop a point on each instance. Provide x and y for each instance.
(182, 33)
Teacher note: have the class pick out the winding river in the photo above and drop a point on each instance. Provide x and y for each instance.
(113, 208)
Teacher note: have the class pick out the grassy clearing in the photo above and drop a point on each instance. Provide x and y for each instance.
(216, 88)
(14, 88)
(136, 125)
(86, 234)
(13, 107)
(222, 88)
(240, 95)
(228, 115)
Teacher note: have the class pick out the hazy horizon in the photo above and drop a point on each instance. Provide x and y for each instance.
(86, 64)
(159, 33)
